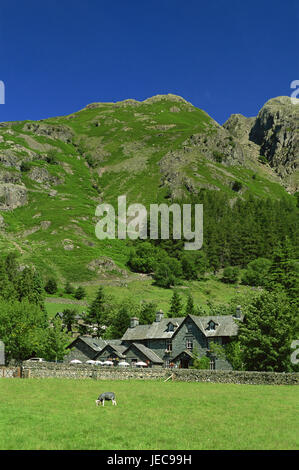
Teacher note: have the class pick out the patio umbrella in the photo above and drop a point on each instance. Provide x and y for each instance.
(75, 361)
(141, 364)
(108, 363)
(90, 361)
(123, 363)
(98, 363)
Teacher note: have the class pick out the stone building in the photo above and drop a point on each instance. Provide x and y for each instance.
(168, 342)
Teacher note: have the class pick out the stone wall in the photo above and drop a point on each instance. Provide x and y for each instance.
(85, 371)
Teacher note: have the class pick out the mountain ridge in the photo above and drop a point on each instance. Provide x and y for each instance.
(55, 171)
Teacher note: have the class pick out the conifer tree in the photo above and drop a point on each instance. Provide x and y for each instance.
(176, 306)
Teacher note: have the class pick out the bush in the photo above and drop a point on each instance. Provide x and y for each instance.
(256, 272)
(51, 286)
(230, 275)
(237, 186)
(80, 293)
(25, 166)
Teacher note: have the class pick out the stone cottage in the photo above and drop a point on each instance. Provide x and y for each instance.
(166, 342)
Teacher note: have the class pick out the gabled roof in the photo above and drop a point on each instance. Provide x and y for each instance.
(225, 325)
(149, 353)
(156, 330)
(96, 344)
(118, 348)
(185, 351)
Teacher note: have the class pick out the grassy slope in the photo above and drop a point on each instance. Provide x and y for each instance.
(128, 141)
(36, 415)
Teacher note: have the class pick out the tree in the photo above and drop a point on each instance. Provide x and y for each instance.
(80, 293)
(163, 276)
(256, 272)
(121, 321)
(190, 309)
(29, 287)
(100, 312)
(51, 286)
(199, 362)
(283, 273)
(176, 306)
(69, 288)
(147, 313)
(230, 275)
(56, 342)
(69, 318)
(266, 333)
(23, 327)
(7, 289)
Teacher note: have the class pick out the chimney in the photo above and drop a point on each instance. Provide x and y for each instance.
(134, 322)
(238, 313)
(159, 315)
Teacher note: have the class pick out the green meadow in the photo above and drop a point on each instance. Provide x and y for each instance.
(60, 414)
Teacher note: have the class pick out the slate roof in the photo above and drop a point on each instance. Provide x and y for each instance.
(96, 344)
(118, 348)
(225, 325)
(156, 330)
(149, 353)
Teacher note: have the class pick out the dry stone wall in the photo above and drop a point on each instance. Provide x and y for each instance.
(85, 371)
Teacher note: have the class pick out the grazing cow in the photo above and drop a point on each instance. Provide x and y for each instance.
(106, 396)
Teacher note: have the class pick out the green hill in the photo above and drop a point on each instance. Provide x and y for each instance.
(54, 172)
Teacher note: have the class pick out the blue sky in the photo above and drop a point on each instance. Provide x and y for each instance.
(225, 56)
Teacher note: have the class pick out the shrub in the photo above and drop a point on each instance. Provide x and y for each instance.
(230, 275)
(51, 286)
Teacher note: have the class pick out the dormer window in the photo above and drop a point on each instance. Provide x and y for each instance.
(212, 325)
(170, 327)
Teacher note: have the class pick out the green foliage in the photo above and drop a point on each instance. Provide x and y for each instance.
(69, 289)
(198, 362)
(51, 157)
(99, 313)
(51, 286)
(266, 333)
(23, 328)
(120, 321)
(80, 293)
(147, 312)
(256, 272)
(69, 318)
(176, 306)
(25, 167)
(56, 341)
(230, 275)
(190, 308)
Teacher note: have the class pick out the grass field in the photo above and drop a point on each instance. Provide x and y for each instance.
(60, 414)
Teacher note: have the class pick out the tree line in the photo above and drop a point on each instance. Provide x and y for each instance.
(235, 234)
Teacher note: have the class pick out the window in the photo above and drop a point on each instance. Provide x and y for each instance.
(189, 344)
(170, 327)
(212, 364)
(189, 327)
(168, 345)
(212, 325)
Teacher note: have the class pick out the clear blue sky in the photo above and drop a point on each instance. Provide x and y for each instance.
(225, 56)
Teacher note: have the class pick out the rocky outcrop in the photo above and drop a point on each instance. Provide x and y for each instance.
(276, 132)
(63, 133)
(271, 137)
(12, 196)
